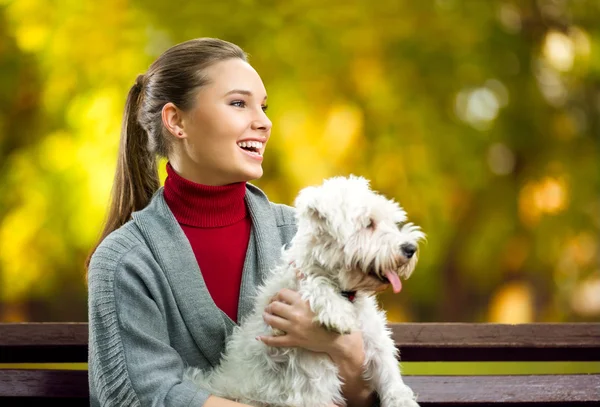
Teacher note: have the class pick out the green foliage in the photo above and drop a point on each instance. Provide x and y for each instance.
(480, 117)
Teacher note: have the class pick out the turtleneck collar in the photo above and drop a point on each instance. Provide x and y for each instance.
(204, 206)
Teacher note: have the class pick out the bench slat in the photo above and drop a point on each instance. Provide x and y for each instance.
(487, 334)
(425, 334)
(497, 342)
(538, 389)
(43, 333)
(67, 342)
(432, 390)
(44, 383)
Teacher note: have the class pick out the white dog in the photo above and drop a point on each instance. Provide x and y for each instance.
(350, 241)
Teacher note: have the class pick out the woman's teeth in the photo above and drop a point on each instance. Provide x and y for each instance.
(251, 146)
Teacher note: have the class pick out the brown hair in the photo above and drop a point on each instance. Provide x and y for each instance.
(175, 77)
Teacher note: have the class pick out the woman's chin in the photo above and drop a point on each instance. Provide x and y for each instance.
(252, 174)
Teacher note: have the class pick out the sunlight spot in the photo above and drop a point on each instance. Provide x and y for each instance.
(501, 159)
(551, 85)
(585, 299)
(548, 196)
(510, 17)
(342, 127)
(480, 106)
(559, 50)
(512, 304)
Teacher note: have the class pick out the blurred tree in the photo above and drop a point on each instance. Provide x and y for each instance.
(480, 118)
(20, 107)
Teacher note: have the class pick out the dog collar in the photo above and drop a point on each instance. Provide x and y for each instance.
(349, 295)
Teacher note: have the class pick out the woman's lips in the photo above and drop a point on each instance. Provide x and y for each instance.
(252, 154)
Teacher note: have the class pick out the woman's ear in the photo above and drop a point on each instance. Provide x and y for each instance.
(172, 119)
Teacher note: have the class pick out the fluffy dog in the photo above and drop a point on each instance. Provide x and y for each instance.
(351, 243)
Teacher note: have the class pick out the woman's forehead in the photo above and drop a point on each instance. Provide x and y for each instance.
(235, 74)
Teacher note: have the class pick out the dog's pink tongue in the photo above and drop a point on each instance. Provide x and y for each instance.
(394, 280)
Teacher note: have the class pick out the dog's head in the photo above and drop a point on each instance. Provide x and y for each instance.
(357, 237)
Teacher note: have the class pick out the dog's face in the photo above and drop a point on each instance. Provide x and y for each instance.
(360, 239)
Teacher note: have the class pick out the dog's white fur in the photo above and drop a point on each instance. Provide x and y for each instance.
(345, 232)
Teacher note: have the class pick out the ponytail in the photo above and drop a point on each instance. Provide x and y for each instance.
(174, 77)
(136, 177)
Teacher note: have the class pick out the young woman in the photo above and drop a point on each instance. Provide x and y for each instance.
(176, 266)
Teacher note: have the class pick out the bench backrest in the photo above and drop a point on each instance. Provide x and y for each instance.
(429, 342)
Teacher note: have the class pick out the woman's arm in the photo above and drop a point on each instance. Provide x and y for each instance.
(291, 314)
(348, 354)
(131, 360)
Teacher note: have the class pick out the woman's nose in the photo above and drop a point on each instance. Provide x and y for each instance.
(262, 122)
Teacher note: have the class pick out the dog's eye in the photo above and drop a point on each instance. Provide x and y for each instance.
(371, 224)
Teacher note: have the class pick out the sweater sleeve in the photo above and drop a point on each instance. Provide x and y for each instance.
(130, 360)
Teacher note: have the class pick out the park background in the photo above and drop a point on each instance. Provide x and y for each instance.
(481, 118)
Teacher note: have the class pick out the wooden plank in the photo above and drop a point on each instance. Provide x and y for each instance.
(487, 334)
(67, 342)
(43, 383)
(42, 342)
(431, 390)
(43, 333)
(534, 389)
(497, 342)
(41, 401)
(424, 334)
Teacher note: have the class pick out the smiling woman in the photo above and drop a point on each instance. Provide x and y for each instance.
(177, 267)
(215, 142)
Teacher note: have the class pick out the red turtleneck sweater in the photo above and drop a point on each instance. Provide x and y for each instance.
(216, 221)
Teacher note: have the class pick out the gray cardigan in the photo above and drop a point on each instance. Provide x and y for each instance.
(150, 313)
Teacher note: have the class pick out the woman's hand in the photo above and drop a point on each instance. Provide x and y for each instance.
(289, 313)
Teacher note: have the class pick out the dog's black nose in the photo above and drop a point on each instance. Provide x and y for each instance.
(408, 250)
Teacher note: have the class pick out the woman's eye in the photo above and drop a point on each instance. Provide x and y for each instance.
(265, 107)
(238, 103)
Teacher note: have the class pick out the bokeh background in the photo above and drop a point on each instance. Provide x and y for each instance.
(482, 118)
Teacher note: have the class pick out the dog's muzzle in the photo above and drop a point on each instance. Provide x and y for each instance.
(408, 250)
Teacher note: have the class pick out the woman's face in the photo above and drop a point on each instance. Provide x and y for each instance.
(226, 132)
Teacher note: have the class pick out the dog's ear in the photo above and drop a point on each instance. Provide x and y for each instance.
(307, 203)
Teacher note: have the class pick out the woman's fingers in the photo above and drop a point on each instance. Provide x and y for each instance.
(276, 322)
(287, 296)
(280, 309)
(277, 341)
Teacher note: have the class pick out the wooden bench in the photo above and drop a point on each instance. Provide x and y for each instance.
(424, 342)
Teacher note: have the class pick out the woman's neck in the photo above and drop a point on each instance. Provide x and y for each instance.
(188, 170)
(206, 206)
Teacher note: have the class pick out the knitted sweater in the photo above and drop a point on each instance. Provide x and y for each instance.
(216, 221)
(150, 313)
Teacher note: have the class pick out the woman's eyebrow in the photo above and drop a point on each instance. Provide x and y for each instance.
(242, 91)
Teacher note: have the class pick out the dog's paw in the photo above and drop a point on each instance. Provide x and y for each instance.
(341, 324)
